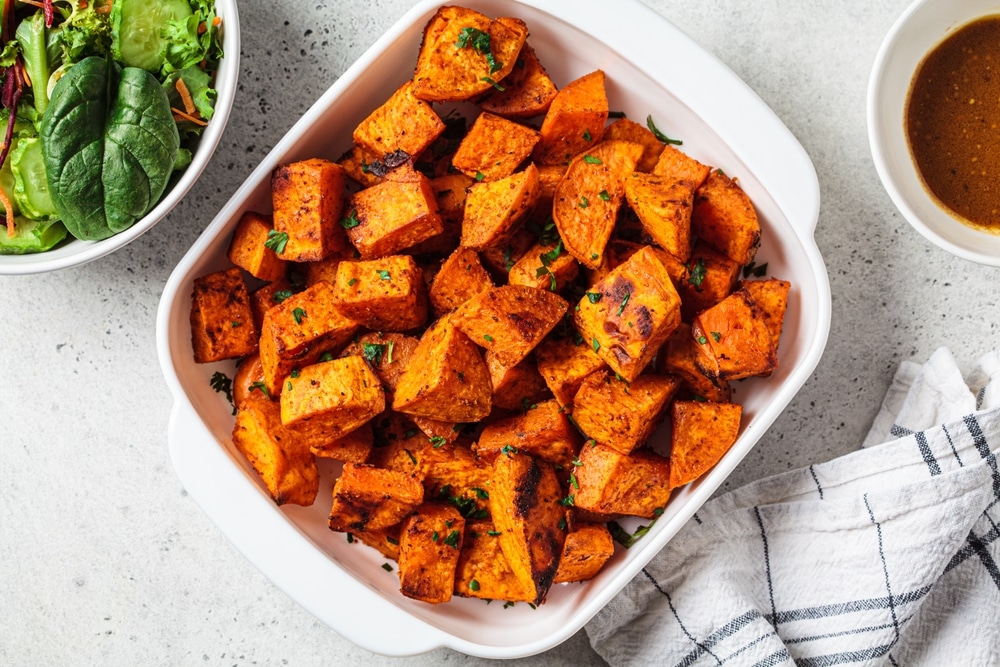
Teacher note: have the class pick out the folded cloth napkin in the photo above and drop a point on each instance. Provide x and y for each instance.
(885, 556)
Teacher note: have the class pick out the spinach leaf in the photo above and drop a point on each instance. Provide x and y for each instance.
(110, 142)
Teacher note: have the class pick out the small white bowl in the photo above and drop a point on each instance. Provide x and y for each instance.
(924, 25)
(74, 252)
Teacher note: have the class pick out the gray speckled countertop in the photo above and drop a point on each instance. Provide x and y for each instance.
(106, 560)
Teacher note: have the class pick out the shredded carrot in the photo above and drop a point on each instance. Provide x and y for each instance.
(217, 21)
(8, 211)
(180, 115)
(185, 94)
(27, 79)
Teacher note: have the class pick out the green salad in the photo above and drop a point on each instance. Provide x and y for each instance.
(101, 100)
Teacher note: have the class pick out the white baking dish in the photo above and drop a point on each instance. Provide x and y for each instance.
(651, 68)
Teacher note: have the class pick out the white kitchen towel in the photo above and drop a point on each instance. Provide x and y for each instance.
(886, 556)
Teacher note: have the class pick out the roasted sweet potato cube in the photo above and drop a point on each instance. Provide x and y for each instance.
(464, 53)
(510, 320)
(564, 364)
(222, 325)
(383, 540)
(623, 415)
(771, 296)
(515, 387)
(617, 251)
(280, 456)
(499, 259)
(724, 217)
(331, 398)
(386, 353)
(664, 208)
(387, 294)
(637, 310)
(445, 378)
(545, 266)
(297, 331)
(702, 434)
(324, 270)
(624, 129)
(494, 148)
(543, 431)
(248, 248)
(248, 379)
(397, 444)
(694, 363)
(454, 474)
(736, 331)
(675, 164)
(587, 548)
(709, 277)
(403, 123)
(526, 506)
(549, 176)
(586, 201)
(355, 446)
(357, 166)
(392, 216)
(493, 210)
(266, 296)
(438, 430)
(483, 571)
(369, 498)
(461, 277)
(308, 199)
(636, 484)
(450, 190)
(527, 90)
(575, 120)
(429, 545)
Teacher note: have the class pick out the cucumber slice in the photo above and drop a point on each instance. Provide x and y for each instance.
(136, 27)
(31, 188)
(31, 236)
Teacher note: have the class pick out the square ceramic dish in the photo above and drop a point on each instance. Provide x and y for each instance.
(651, 68)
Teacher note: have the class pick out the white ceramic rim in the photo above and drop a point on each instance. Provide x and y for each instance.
(74, 252)
(219, 482)
(923, 25)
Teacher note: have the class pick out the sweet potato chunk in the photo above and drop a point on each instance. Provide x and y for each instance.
(543, 431)
(622, 415)
(587, 548)
(297, 331)
(575, 120)
(702, 434)
(331, 398)
(355, 446)
(248, 379)
(515, 387)
(545, 266)
(724, 217)
(483, 571)
(403, 123)
(392, 216)
(618, 251)
(369, 498)
(494, 148)
(637, 310)
(736, 331)
(527, 90)
(430, 542)
(280, 456)
(636, 484)
(464, 53)
(564, 364)
(664, 208)
(454, 474)
(586, 201)
(709, 277)
(248, 249)
(222, 324)
(510, 320)
(308, 198)
(493, 210)
(445, 378)
(525, 505)
(383, 540)
(387, 294)
(694, 364)
(499, 259)
(624, 129)
(771, 296)
(676, 165)
(461, 277)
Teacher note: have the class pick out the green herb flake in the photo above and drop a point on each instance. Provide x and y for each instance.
(387, 567)
(697, 272)
(392, 540)
(508, 450)
(568, 501)
(590, 159)
(452, 539)
(281, 295)
(716, 336)
(236, 324)
(221, 383)
(701, 340)
(552, 255)
(659, 135)
(508, 604)
(594, 297)
(413, 459)
(595, 344)
(261, 387)
(562, 523)
(473, 585)
(480, 41)
(298, 314)
(481, 493)
(492, 83)
(373, 353)
(388, 358)
(352, 282)
(326, 356)
(493, 533)
(437, 441)
(603, 194)
(572, 480)
(434, 536)
(584, 202)
(586, 135)
(489, 338)
(384, 275)
(276, 241)
(595, 256)
(350, 221)
(621, 306)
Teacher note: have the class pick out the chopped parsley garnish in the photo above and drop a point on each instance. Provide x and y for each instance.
(481, 493)
(603, 194)
(548, 257)
(434, 536)
(350, 221)
(572, 480)
(384, 275)
(437, 441)
(452, 539)
(702, 340)
(221, 383)
(288, 385)
(590, 159)
(326, 356)
(508, 450)
(616, 114)
(236, 323)
(507, 261)
(350, 538)
(480, 176)
(595, 256)
(489, 338)
(493, 533)
(480, 41)
(492, 83)
(584, 202)
(473, 585)
(352, 282)
(387, 567)
(373, 352)
(595, 344)
(586, 135)
(621, 306)
(413, 459)
(296, 373)
(623, 537)
(298, 314)
(392, 540)
(562, 523)
(659, 135)
(594, 297)
(752, 269)
(261, 387)
(526, 405)
(388, 358)
(716, 336)
(276, 241)
(697, 271)
(281, 295)
(568, 501)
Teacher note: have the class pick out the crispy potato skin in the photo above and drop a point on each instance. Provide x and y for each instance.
(703, 433)
(222, 323)
(430, 543)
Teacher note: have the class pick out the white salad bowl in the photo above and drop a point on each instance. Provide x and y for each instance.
(924, 25)
(74, 252)
(651, 68)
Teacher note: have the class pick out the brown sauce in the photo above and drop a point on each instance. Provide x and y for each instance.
(953, 123)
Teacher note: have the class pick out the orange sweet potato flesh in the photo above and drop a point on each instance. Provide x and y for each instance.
(331, 398)
(575, 120)
(403, 123)
(392, 216)
(355, 446)
(527, 90)
(702, 434)
(510, 320)
(724, 217)
(685, 357)
(622, 415)
(771, 296)
(636, 484)
(429, 546)
(370, 498)
(545, 266)
(564, 364)
(222, 323)
(677, 165)
(625, 129)
(494, 147)
(495, 209)
(248, 249)
(461, 277)
(587, 198)
(664, 208)
(387, 294)
(737, 334)
(308, 198)
(516, 386)
(587, 548)
(709, 277)
(483, 571)
(525, 505)
(543, 431)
